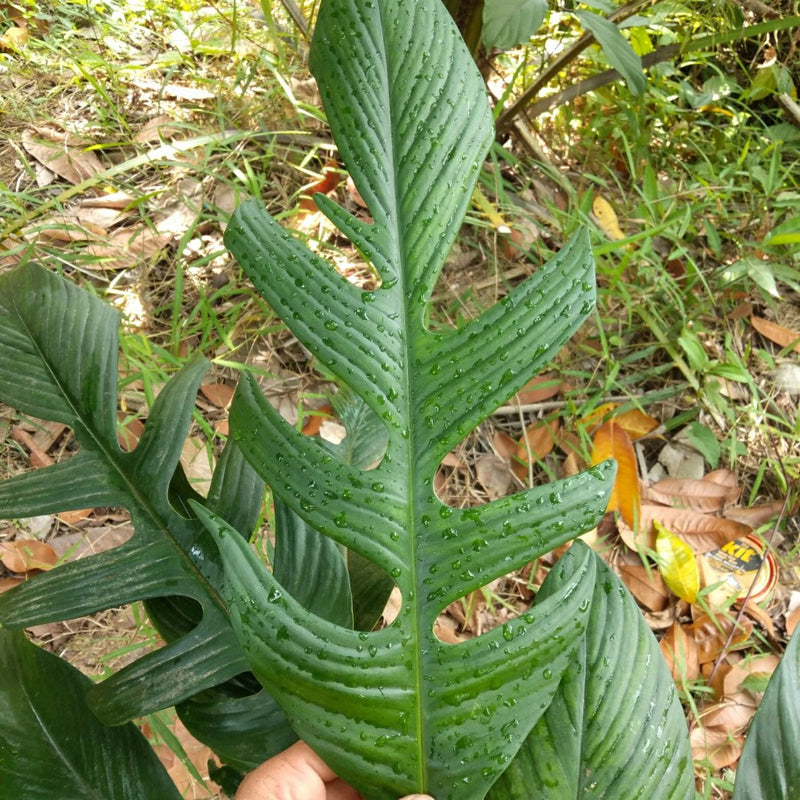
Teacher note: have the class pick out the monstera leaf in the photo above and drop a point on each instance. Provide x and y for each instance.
(397, 710)
(58, 361)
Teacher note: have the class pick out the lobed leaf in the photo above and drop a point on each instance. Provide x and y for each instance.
(397, 710)
(58, 361)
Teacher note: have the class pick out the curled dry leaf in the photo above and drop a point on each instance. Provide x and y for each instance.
(706, 496)
(680, 652)
(611, 441)
(27, 554)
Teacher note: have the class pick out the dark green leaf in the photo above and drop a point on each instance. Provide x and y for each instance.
(616, 728)
(53, 746)
(618, 51)
(396, 710)
(507, 23)
(770, 762)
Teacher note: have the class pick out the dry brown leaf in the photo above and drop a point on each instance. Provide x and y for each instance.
(38, 457)
(76, 516)
(781, 336)
(715, 745)
(611, 441)
(703, 495)
(157, 129)
(128, 247)
(646, 585)
(756, 516)
(792, 621)
(703, 532)
(219, 394)
(494, 475)
(538, 389)
(197, 464)
(538, 440)
(711, 635)
(62, 154)
(504, 445)
(199, 755)
(9, 583)
(680, 652)
(25, 555)
(129, 433)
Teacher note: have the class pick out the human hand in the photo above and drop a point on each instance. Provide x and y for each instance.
(298, 773)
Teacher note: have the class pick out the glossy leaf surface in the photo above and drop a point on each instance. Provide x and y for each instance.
(615, 728)
(53, 746)
(58, 361)
(770, 762)
(397, 710)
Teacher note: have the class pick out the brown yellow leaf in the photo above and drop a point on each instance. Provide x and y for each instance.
(14, 38)
(646, 585)
(219, 394)
(781, 336)
(27, 554)
(680, 652)
(715, 745)
(711, 635)
(540, 388)
(611, 441)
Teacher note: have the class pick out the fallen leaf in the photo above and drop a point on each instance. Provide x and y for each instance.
(636, 423)
(606, 218)
(755, 516)
(25, 555)
(494, 475)
(677, 564)
(703, 532)
(680, 652)
(504, 445)
(538, 389)
(711, 635)
(62, 154)
(611, 441)
(14, 38)
(314, 419)
(781, 336)
(646, 585)
(715, 745)
(703, 495)
(219, 394)
(538, 441)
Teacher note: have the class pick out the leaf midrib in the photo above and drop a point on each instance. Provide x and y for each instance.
(139, 499)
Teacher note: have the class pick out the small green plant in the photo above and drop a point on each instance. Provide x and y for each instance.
(571, 699)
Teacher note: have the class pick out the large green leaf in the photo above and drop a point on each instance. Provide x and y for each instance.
(770, 762)
(52, 745)
(396, 710)
(616, 727)
(507, 23)
(58, 361)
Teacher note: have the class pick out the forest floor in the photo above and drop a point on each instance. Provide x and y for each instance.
(127, 137)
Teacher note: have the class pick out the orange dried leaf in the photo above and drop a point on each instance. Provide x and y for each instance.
(538, 441)
(716, 745)
(28, 554)
(597, 417)
(677, 564)
(505, 446)
(703, 532)
(636, 423)
(220, 394)
(315, 419)
(611, 441)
